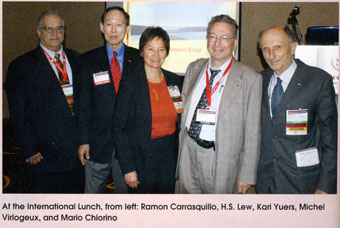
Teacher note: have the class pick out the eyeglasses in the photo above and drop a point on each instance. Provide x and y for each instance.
(51, 29)
(214, 37)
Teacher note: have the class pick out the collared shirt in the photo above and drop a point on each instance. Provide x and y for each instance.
(208, 131)
(60, 52)
(120, 55)
(286, 77)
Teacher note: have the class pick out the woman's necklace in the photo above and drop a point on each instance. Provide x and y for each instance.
(156, 94)
(156, 81)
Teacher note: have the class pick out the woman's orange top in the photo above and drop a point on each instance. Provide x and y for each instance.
(164, 115)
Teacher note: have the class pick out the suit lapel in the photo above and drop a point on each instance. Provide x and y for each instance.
(47, 73)
(48, 78)
(102, 61)
(265, 98)
(168, 80)
(192, 81)
(145, 100)
(74, 63)
(295, 86)
(129, 63)
(232, 87)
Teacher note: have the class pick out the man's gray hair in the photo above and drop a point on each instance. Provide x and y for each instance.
(226, 19)
(45, 13)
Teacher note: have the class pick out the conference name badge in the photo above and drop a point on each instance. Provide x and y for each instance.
(296, 122)
(68, 90)
(307, 157)
(101, 78)
(176, 98)
(206, 116)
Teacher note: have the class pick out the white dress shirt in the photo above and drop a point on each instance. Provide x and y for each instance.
(208, 131)
(60, 52)
(286, 76)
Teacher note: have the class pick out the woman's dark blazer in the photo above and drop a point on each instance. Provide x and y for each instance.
(132, 119)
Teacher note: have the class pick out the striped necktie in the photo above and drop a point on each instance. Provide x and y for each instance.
(61, 78)
(195, 126)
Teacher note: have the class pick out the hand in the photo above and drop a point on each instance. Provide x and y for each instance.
(242, 188)
(131, 179)
(318, 191)
(35, 159)
(177, 187)
(84, 153)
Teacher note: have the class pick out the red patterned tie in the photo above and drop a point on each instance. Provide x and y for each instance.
(115, 70)
(61, 78)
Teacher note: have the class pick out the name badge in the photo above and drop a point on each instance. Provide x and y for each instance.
(174, 91)
(296, 122)
(176, 98)
(68, 90)
(307, 157)
(101, 78)
(206, 116)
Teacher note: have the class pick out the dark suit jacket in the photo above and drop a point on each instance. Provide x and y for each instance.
(310, 88)
(40, 116)
(132, 119)
(97, 102)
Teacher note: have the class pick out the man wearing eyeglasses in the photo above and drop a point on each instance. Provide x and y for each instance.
(42, 90)
(220, 129)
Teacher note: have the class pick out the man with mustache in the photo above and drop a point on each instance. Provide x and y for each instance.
(43, 89)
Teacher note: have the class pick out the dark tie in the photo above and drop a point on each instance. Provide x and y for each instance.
(195, 126)
(277, 96)
(115, 70)
(61, 78)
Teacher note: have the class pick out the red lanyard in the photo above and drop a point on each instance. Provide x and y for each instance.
(62, 71)
(217, 84)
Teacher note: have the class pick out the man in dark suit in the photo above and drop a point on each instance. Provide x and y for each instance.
(299, 121)
(101, 71)
(42, 89)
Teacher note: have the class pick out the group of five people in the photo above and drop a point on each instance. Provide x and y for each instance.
(223, 130)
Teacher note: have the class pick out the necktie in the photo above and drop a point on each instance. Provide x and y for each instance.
(62, 82)
(277, 96)
(195, 126)
(115, 70)
(61, 78)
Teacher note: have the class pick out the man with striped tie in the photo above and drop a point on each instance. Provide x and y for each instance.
(220, 129)
(42, 88)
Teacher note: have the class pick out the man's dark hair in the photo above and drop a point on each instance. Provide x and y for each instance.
(126, 15)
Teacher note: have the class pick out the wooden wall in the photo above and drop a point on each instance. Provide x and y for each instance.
(19, 36)
(257, 16)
